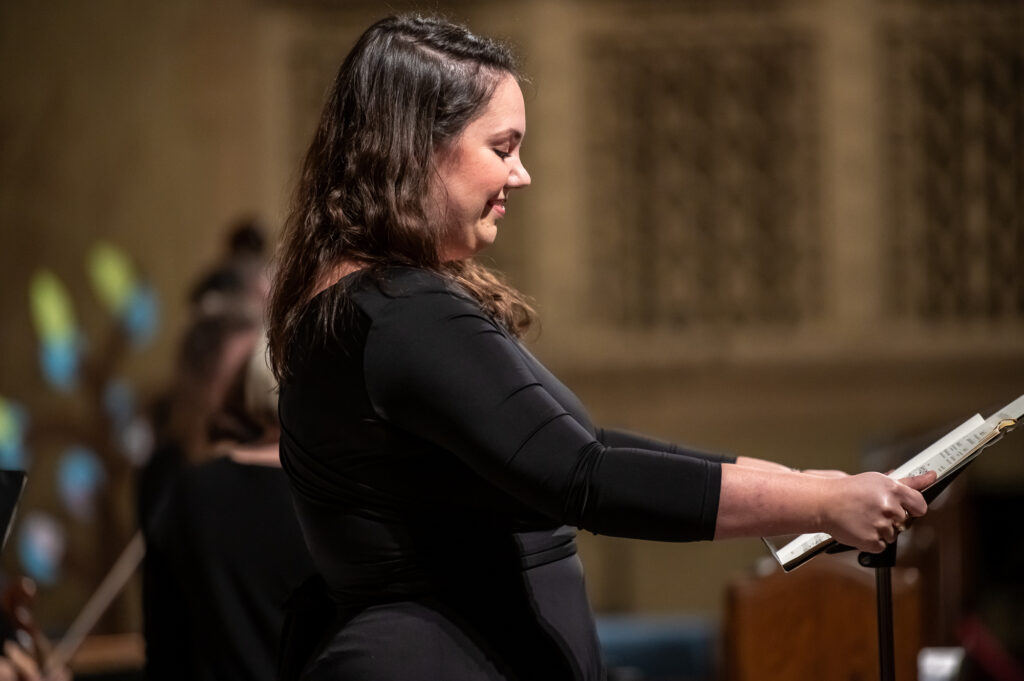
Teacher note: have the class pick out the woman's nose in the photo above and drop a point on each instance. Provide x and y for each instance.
(518, 176)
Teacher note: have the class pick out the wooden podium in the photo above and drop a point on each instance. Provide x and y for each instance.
(817, 622)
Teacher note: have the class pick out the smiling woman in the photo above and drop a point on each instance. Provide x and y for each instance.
(383, 181)
(476, 175)
(438, 469)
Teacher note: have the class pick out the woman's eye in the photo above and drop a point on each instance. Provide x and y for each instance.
(502, 154)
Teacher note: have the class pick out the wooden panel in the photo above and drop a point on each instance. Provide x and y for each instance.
(818, 622)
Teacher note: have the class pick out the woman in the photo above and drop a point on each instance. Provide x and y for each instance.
(437, 466)
(223, 549)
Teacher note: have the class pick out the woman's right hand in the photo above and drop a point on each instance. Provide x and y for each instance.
(867, 511)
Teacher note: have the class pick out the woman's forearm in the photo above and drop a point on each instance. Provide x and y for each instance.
(757, 500)
(763, 464)
(859, 510)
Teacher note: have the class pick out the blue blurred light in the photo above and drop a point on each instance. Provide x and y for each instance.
(141, 315)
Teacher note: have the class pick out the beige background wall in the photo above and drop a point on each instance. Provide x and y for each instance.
(154, 125)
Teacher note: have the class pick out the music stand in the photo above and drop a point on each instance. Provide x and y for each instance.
(882, 563)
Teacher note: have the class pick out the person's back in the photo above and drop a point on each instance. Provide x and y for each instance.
(224, 548)
(229, 535)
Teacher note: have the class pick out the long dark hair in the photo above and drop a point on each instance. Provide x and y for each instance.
(406, 90)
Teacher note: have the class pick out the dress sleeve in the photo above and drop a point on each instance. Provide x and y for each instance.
(623, 438)
(439, 368)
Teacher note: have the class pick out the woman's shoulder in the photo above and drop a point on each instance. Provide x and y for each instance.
(398, 281)
(374, 290)
(400, 298)
(398, 287)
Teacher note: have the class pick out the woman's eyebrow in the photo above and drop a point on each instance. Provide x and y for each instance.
(514, 133)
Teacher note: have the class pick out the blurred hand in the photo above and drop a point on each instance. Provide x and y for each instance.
(865, 511)
(62, 673)
(17, 664)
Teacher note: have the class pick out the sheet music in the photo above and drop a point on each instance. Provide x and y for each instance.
(955, 454)
(945, 455)
(802, 546)
(1014, 410)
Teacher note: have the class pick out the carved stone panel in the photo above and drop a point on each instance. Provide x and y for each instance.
(707, 206)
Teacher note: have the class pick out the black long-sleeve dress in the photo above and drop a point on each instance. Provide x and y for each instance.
(438, 470)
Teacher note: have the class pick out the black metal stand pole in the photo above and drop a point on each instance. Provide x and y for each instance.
(882, 564)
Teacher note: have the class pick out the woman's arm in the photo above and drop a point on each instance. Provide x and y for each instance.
(859, 510)
(762, 464)
(765, 503)
(611, 437)
(438, 368)
(765, 465)
(441, 370)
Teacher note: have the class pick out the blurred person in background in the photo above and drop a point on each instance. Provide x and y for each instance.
(209, 354)
(226, 305)
(225, 546)
(240, 277)
(222, 330)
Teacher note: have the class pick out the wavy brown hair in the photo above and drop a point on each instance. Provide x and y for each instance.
(405, 92)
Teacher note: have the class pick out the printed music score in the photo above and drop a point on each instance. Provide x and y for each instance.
(945, 456)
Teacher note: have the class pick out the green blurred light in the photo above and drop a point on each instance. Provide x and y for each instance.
(112, 275)
(52, 313)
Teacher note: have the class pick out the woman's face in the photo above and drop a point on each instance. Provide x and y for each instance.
(479, 170)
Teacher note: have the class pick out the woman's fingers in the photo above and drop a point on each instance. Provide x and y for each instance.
(912, 501)
(921, 481)
(871, 509)
(903, 523)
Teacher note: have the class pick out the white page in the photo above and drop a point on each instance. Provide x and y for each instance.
(807, 542)
(927, 459)
(943, 456)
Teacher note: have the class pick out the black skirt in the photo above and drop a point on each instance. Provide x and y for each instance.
(533, 625)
